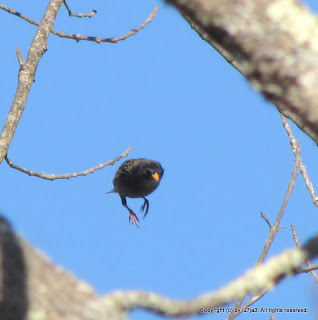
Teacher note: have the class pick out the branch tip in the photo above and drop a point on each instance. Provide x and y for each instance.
(266, 219)
(19, 57)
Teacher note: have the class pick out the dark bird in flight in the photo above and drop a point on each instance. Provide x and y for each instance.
(137, 178)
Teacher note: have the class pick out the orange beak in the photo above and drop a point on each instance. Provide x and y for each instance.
(156, 176)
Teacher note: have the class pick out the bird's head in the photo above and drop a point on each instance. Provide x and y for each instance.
(155, 171)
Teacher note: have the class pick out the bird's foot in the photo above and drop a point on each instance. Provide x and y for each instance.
(133, 218)
(145, 207)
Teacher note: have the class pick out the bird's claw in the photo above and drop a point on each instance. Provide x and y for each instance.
(145, 207)
(133, 218)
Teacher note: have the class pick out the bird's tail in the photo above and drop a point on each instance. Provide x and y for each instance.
(112, 191)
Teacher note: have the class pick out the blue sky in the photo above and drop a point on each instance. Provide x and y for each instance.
(172, 98)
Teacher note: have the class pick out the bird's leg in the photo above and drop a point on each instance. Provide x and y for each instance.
(145, 206)
(132, 216)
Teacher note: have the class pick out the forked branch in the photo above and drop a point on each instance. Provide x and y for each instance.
(272, 234)
(27, 75)
(79, 37)
(78, 15)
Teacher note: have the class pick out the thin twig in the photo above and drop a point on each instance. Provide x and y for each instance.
(295, 145)
(266, 219)
(254, 299)
(239, 306)
(236, 307)
(308, 269)
(295, 237)
(302, 168)
(275, 228)
(79, 15)
(67, 175)
(19, 57)
(79, 37)
(263, 215)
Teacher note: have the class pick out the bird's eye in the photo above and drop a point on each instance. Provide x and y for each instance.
(149, 172)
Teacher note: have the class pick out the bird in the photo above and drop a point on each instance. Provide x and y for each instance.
(137, 178)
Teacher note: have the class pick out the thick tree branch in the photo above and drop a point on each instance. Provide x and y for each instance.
(32, 287)
(259, 279)
(272, 43)
(27, 74)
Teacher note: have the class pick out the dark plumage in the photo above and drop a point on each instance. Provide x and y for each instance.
(137, 178)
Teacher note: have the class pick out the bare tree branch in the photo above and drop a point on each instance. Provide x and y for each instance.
(302, 168)
(20, 58)
(262, 40)
(260, 278)
(34, 287)
(308, 269)
(295, 237)
(27, 74)
(266, 219)
(289, 82)
(67, 175)
(79, 37)
(254, 299)
(79, 15)
(273, 228)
